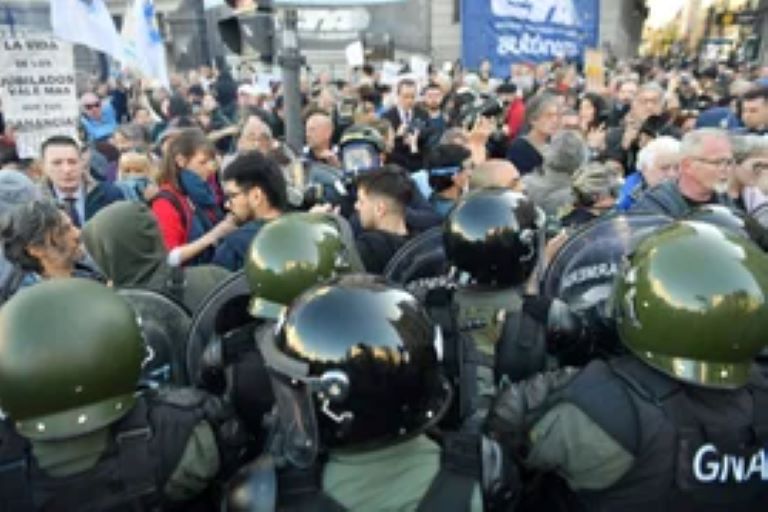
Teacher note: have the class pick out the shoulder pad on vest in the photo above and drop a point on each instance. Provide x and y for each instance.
(602, 396)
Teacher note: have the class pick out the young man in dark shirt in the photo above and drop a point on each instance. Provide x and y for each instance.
(255, 192)
(382, 195)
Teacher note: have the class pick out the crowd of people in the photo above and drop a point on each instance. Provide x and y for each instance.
(380, 329)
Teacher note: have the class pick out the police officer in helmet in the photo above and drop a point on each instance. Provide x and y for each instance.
(354, 369)
(288, 256)
(493, 241)
(678, 423)
(78, 435)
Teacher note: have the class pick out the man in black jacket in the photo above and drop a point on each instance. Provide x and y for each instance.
(410, 125)
(382, 196)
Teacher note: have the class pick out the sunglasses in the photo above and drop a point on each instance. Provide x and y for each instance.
(91, 106)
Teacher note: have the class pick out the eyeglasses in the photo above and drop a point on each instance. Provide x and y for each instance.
(91, 106)
(759, 167)
(720, 163)
(229, 197)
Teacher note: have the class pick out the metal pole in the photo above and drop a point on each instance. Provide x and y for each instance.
(202, 30)
(290, 62)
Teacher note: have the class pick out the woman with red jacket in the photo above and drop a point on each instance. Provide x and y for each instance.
(189, 218)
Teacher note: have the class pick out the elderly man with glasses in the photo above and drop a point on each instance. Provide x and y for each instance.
(98, 117)
(706, 166)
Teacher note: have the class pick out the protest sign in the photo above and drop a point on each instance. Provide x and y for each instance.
(594, 70)
(37, 90)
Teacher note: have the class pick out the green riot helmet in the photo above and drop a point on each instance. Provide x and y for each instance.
(692, 301)
(361, 147)
(355, 365)
(495, 235)
(293, 253)
(70, 355)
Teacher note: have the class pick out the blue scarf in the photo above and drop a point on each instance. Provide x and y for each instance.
(202, 196)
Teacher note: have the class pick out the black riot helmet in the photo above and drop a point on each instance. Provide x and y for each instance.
(495, 235)
(354, 365)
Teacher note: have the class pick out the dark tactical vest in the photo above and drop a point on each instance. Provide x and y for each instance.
(145, 448)
(695, 449)
(451, 490)
(487, 336)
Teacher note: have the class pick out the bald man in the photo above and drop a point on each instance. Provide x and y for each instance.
(319, 131)
(496, 173)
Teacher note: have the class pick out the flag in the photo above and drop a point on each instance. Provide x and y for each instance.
(87, 22)
(144, 49)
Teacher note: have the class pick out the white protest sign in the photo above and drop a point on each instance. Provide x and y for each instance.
(37, 90)
(390, 73)
(355, 54)
(420, 69)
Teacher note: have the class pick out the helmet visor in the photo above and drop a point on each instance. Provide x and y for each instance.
(359, 156)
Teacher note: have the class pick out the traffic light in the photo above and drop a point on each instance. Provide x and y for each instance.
(252, 27)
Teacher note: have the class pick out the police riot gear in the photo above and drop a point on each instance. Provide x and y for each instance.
(495, 235)
(714, 307)
(58, 381)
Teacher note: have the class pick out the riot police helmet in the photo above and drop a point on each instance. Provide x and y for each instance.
(358, 360)
(70, 356)
(692, 302)
(291, 254)
(495, 235)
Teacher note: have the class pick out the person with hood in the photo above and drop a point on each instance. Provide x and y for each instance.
(551, 186)
(125, 242)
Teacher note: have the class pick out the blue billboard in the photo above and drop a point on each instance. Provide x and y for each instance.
(507, 31)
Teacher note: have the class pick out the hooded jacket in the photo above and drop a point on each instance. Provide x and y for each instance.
(125, 242)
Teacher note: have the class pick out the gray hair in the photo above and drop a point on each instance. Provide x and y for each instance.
(25, 225)
(746, 146)
(535, 106)
(566, 152)
(651, 87)
(135, 133)
(15, 189)
(694, 140)
(661, 145)
(595, 180)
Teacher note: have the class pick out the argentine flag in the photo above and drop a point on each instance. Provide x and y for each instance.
(144, 49)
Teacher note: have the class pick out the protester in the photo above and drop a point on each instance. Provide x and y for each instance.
(382, 196)
(449, 167)
(125, 242)
(255, 192)
(657, 162)
(410, 123)
(67, 182)
(42, 241)
(542, 114)
(15, 189)
(185, 207)
(98, 118)
(550, 188)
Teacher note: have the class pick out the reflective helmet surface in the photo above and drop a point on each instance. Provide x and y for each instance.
(494, 235)
(291, 254)
(363, 133)
(361, 147)
(70, 356)
(369, 350)
(692, 302)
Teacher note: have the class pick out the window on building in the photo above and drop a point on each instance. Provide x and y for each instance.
(456, 11)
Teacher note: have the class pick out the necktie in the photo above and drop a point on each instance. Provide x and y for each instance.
(71, 207)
